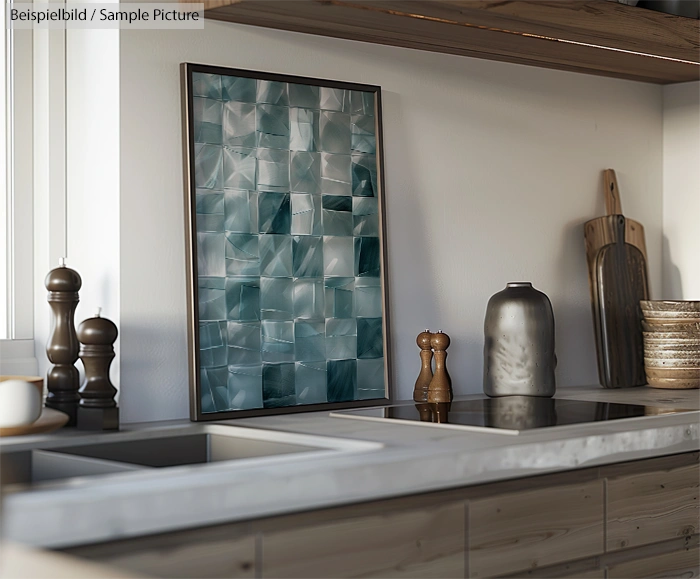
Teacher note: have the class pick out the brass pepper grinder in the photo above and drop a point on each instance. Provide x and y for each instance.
(420, 392)
(63, 379)
(440, 389)
(97, 410)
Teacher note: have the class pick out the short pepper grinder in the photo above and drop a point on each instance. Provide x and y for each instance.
(440, 389)
(63, 379)
(97, 410)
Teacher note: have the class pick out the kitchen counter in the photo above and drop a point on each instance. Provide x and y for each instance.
(411, 459)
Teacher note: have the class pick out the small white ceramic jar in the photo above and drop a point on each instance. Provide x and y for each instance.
(20, 400)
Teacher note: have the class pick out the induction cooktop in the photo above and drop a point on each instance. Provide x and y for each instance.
(508, 414)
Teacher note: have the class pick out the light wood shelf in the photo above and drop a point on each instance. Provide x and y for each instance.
(587, 36)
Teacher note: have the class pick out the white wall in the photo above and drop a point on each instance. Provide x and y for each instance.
(491, 170)
(681, 192)
(92, 153)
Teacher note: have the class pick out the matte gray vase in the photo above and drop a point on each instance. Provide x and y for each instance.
(519, 357)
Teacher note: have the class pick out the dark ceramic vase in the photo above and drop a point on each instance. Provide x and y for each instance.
(519, 357)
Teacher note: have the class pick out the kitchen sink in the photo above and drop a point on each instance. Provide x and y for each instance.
(61, 462)
(186, 449)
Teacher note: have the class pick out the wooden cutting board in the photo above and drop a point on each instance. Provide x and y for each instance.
(617, 273)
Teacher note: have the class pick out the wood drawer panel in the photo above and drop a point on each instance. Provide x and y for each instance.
(684, 564)
(651, 507)
(530, 529)
(212, 552)
(426, 542)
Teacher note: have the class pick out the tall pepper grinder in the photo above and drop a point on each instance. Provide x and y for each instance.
(440, 389)
(97, 410)
(420, 391)
(63, 379)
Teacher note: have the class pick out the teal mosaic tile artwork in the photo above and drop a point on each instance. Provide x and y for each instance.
(288, 250)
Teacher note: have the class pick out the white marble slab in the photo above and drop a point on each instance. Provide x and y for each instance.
(408, 459)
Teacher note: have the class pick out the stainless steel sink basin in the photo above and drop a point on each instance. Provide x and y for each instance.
(61, 461)
(187, 449)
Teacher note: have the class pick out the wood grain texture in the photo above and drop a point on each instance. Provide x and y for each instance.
(650, 507)
(617, 273)
(613, 203)
(684, 564)
(530, 529)
(425, 542)
(590, 36)
(224, 551)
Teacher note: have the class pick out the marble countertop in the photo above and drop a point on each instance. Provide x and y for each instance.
(403, 459)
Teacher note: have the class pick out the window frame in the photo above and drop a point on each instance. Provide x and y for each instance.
(17, 199)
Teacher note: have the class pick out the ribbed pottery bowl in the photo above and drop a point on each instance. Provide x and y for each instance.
(671, 343)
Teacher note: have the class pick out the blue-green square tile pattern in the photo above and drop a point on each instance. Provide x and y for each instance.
(369, 338)
(341, 338)
(303, 95)
(243, 343)
(278, 385)
(310, 341)
(240, 210)
(305, 172)
(310, 382)
(342, 380)
(274, 212)
(364, 175)
(212, 299)
(309, 299)
(208, 166)
(306, 214)
(290, 300)
(235, 88)
(275, 255)
(207, 127)
(303, 129)
(242, 254)
(307, 252)
(339, 292)
(214, 389)
(245, 386)
(272, 126)
(238, 124)
(336, 174)
(367, 256)
(277, 341)
(239, 168)
(277, 298)
(242, 299)
(370, 378)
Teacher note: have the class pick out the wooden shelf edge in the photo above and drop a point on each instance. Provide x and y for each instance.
(585, 36)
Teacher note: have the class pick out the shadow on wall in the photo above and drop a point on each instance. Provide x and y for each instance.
(152, 387)
(672, 284)
(573, 319)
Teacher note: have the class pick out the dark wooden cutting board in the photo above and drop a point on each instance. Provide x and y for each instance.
(617, 273)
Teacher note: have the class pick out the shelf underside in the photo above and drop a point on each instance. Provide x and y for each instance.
(587, 36)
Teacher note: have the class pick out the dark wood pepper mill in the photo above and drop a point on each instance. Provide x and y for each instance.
(420, 391)
(63, 379)
(440, 389)
(97, 410)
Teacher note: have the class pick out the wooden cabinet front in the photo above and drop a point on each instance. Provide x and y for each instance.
(685, 564)
(530, 529)
(422, 542)
(648, 507)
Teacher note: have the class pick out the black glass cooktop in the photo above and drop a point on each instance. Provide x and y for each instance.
(512, 413)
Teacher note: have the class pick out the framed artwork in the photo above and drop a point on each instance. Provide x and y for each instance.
(287, 294)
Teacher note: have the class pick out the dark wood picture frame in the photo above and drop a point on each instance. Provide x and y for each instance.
(188, 70)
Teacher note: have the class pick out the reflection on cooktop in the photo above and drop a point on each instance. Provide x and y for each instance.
(513, 413)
